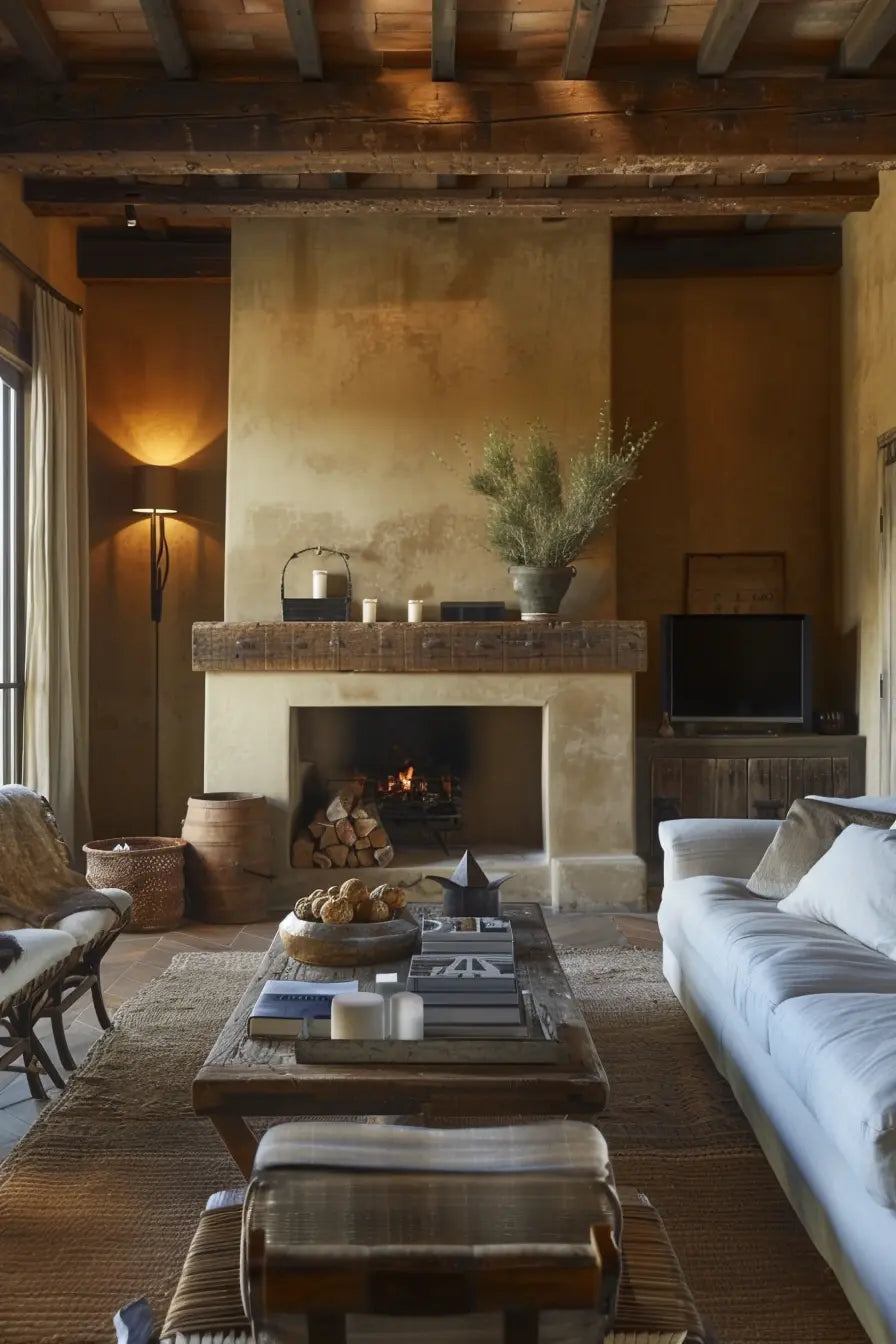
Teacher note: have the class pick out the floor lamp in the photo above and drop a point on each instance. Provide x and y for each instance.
(155, 493)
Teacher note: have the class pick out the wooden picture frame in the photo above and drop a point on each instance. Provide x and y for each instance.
(738, 582)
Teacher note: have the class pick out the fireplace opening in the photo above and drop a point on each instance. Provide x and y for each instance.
(439, 778)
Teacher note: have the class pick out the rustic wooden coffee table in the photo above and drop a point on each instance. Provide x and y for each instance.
(243, 1077)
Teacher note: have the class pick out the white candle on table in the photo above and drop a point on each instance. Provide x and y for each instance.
(368, 610)
(415, 610)
(318, 583)
(406, 1017)
(358, 1017)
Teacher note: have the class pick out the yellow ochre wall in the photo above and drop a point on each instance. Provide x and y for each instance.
(157, 393)
(360, 349)
(742, 374)
(46, 245)
(868, 303)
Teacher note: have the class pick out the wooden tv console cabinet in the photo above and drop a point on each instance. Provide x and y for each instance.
(724, 775)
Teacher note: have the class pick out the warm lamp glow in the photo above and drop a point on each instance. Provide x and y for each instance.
(155, 490)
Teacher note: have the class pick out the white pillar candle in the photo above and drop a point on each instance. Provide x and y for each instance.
(415, 610)
(406, 1017)
(368, 610)
(318, 583)
(358, 1017)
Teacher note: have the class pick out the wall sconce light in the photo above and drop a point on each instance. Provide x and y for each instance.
(155, 494)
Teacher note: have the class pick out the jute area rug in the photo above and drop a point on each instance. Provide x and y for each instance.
(99, 1201)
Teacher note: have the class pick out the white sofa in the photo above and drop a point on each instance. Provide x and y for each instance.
(801, 1021)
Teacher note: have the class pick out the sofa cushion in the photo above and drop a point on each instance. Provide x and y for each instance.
(853, 888)
(41, 949)
(762, 957)
(85, 925)
(838, 1053)
(805, 834)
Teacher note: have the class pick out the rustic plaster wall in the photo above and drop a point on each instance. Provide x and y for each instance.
(868, 305)
(46, 245)
(362, 347)
(156, 393)
(587, 775)
(742, 374)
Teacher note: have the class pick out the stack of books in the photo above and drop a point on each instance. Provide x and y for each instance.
(466, 975)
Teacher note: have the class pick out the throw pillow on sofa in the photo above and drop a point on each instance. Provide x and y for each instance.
(805, 834)
(853, 887)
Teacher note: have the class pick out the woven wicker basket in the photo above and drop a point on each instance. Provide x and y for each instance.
(150, 870)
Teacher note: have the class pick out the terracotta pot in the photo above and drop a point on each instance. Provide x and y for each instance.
(540, 590)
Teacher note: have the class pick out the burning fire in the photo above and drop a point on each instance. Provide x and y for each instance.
(406, 778)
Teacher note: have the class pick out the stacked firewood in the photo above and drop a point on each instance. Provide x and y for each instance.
(348, 833)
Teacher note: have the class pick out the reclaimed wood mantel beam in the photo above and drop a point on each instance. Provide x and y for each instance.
(198, 198)
(35, 37)
(432, 646)
(681, 125)
(723, 35)
(869, 33)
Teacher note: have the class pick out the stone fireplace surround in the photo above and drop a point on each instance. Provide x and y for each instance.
(588, 861)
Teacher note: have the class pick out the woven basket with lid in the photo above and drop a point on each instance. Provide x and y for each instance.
(150, 870)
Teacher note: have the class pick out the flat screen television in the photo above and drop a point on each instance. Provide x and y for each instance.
(737, 669)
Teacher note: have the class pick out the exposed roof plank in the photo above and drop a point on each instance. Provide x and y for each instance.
(723, 34)
(305, 39)
(202, 197)
(583, 29)
(35, 37)
(869, 33)
(637, 125)
(167, 33)
(444, 38)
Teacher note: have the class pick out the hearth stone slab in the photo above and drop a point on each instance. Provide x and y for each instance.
(589, 863)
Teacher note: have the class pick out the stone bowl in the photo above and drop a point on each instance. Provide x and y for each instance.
(319, 944)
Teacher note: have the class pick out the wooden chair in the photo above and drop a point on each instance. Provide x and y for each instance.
(27, 986)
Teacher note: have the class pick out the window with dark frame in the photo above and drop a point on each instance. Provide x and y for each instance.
(12, 572)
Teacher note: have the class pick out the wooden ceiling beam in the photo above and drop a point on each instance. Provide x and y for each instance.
(681, 126)
(35, 37)
(583, 29)
(723, 35)
(166, 31)
(444, 38)
(869, 33)
(203, 198)
(305, 39)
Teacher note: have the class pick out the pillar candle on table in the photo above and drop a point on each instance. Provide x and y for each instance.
(368, 610)
(415, 610)
(318, 583)
(406, 1017)
(358, 1017)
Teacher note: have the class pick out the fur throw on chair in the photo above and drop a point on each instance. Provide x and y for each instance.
(37, 884)
(10, 951)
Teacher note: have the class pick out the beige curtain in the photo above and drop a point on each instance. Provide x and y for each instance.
(55, 759)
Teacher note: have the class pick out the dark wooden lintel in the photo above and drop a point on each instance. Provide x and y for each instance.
(646, 124)
(112, 254)
(772, 252)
